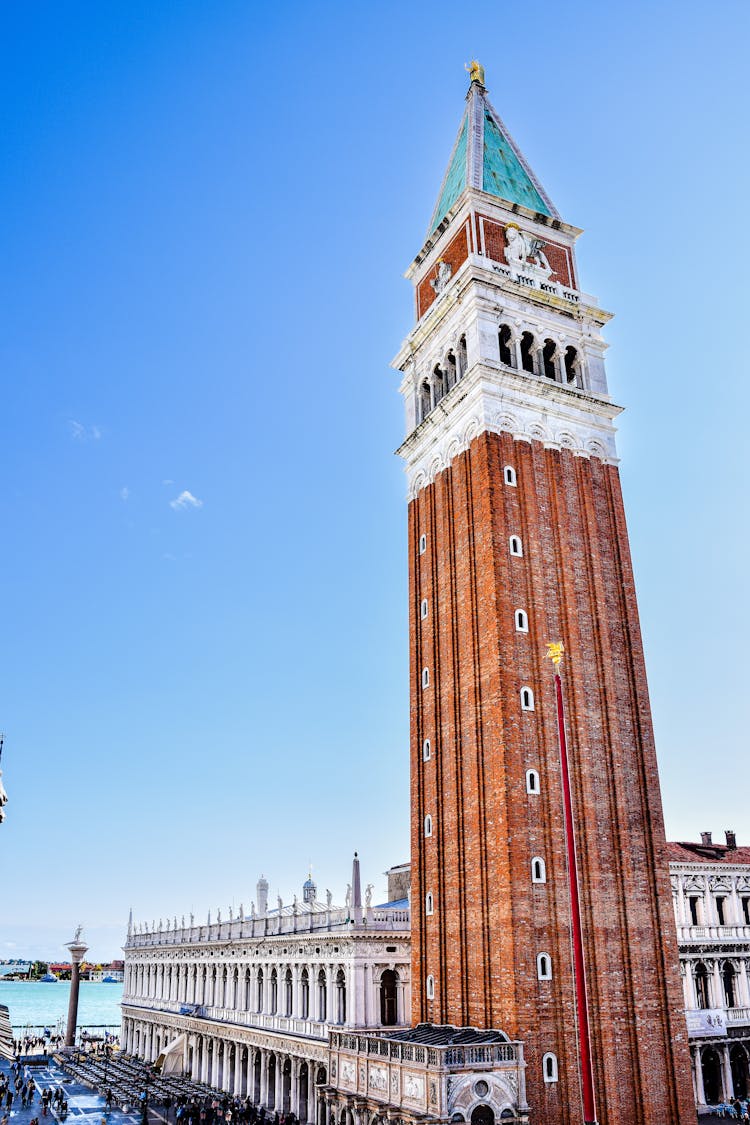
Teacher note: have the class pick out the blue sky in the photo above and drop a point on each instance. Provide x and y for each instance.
(206, 211)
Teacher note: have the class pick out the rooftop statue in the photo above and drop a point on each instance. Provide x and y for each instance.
(476, 71)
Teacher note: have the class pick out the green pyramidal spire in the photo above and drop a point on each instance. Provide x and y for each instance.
(486, 157)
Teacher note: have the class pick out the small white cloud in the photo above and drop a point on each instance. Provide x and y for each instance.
(185, 500)
(79, 432)
(124, 492)
(168, 481)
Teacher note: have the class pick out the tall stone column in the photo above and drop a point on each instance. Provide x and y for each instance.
(77, 949)
(700, 1096)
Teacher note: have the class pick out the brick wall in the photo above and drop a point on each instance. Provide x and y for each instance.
(575, 583)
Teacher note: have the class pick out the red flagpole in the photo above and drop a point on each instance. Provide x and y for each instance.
(584, 1034)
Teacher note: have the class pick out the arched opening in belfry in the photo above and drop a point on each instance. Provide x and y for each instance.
(505, 340)
(482, 1115)
(462, 362)
(702, 993)
(340, 996)
(549, 359)
(711, 1067)
(571, 365)
(738, 1062)
(527, 352)
(389, 998)
(424, 401)
(438, 383)
(730, 984)
(451, 372)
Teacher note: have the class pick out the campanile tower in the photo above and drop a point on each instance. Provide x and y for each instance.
(517, 537)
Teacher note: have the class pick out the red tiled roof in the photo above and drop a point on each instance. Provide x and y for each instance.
(687, 852)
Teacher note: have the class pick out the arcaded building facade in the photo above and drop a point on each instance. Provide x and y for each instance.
(711, 895)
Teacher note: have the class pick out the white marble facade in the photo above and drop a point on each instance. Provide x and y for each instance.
(711, 897)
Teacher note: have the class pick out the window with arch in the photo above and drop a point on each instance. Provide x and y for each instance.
(549, 359)
(462, 359)
(544, 966)
(423, 608)
(425, 677)
(430, 987)
(505, 340)
(389, 998)
(259, 992)
(516, 546)
(426, 750)
(522, 621)
(288, 993)
(702, 991)
(428, 825)
(429, 903)
(438, 383)
(422, 544)
(527, 699)
(425, 401)
(273, 1006)
(322, 995)
(341, 996)
(549, 1067)
(572, 367)
(532, 782)
(451, 370)
(527, 352)
(509, 474)
(728, 978)
(538, 870)
(305, 994)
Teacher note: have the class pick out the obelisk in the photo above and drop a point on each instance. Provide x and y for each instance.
(77, 949)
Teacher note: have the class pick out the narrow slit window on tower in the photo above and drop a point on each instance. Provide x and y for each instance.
(426, 750)
(549, 1067)
(423, 609)
(429, 903)
(510, 475)
(428, 825)
(430, 987)
(422, 544)
(425, 677)
(505, 341)
(532, 782)
(516, 546)
(544, 966)
(527, 699)
(538, 870)
(522, 621)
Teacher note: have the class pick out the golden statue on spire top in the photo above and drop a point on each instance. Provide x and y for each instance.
(555, 652)
(476, 71)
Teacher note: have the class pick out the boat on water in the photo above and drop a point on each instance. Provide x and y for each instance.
(49, 978)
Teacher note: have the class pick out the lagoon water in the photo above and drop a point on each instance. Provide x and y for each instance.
(46, 1004)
